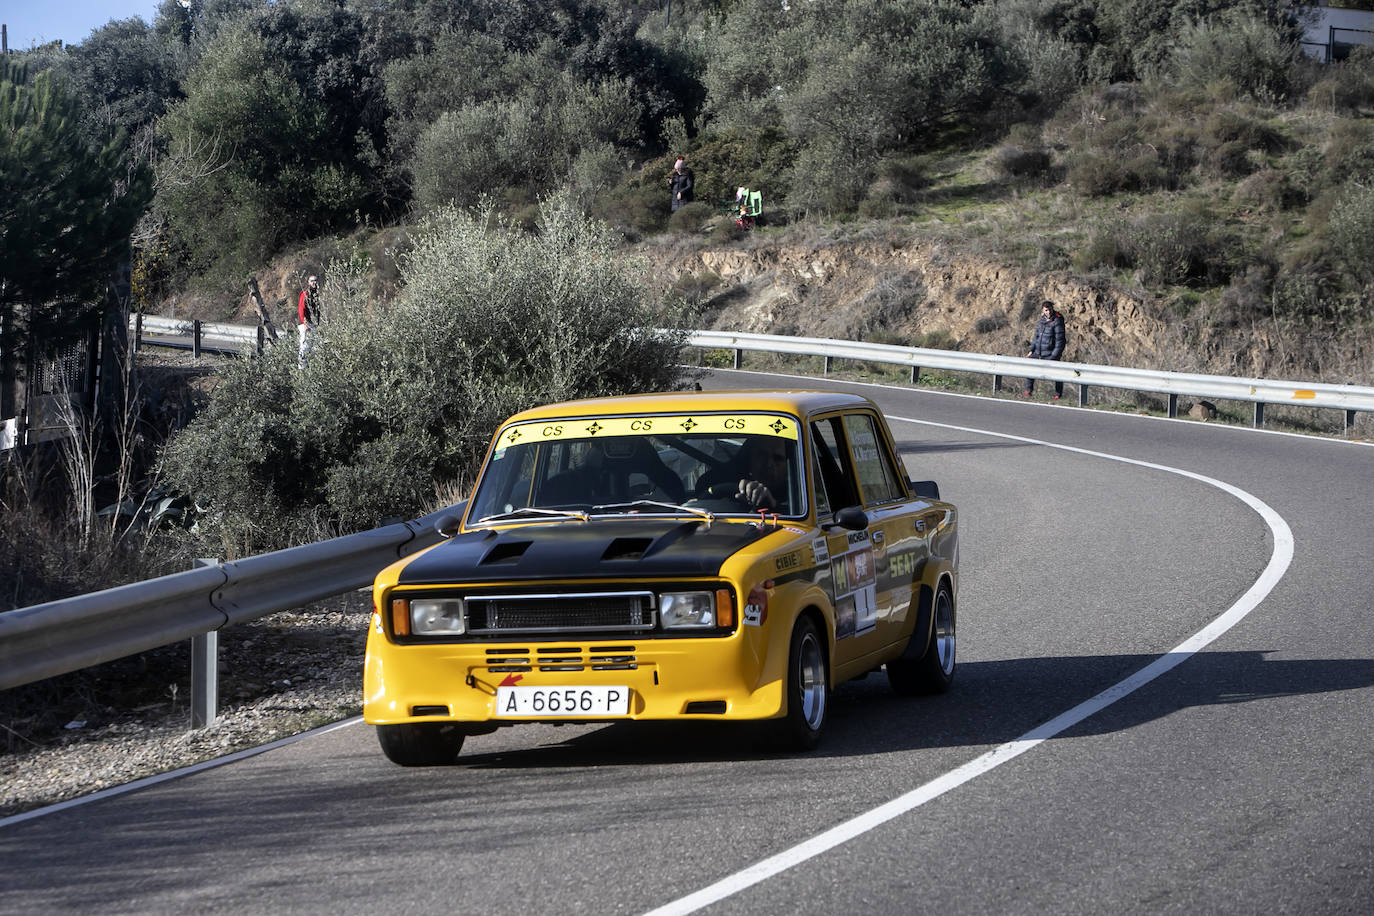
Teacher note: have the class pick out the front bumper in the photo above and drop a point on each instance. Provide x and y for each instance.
(724, 677)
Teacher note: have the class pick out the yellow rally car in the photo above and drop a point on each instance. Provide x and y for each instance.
(696, 555)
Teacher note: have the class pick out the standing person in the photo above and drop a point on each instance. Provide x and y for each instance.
(1048, 343)
(680, 184)
(307, 316)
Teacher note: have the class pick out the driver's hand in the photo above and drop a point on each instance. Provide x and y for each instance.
(756, 494)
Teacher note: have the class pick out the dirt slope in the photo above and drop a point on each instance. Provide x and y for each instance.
(915, 293)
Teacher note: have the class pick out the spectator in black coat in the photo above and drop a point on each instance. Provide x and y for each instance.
(1048, 343)
(680, 184)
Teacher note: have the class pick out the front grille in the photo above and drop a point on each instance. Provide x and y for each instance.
(563, 658)
(629, 612)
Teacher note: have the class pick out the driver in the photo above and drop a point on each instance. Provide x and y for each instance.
(764, 485)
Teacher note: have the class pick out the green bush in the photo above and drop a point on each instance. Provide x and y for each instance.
(1350, 231)
(1346, 87)
(634, 211)
(1023, 155)
(1267, 190)
(1349, 154)
(1239, 48)
(1178, 248)
(1101, 250)
(1096, 173)
(725, 231)
(395, 402)
(690, 219)
(1017, 161)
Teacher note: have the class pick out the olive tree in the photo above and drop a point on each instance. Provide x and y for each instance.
(398, 400)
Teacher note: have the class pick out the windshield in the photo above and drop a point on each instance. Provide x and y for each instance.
(737, 463)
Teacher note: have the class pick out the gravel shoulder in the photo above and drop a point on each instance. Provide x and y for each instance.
(115, 723)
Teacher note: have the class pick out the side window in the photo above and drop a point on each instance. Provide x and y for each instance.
(872, 463)
(827, 441)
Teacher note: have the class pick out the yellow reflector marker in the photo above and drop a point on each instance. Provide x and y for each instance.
(725, 608)
(1304, 395)
(400, 617)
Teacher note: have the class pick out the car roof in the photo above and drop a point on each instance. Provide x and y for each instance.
(800, 402)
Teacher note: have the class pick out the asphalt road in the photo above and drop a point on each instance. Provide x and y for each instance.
(1235, 782)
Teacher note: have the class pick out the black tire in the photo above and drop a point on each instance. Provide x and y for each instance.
(933, 672)
(808, 690)
(421, 744)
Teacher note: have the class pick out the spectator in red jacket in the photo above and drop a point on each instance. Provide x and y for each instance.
(307, 316)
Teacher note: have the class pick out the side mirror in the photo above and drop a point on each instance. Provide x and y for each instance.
(926, 488)
(851, 517)
(447, 524)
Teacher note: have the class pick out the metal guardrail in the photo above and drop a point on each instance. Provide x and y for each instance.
(46, 640)
(1349, 398)
(195, 335)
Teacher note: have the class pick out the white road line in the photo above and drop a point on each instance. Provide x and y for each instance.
(147, 781)
(1130, 415)
(1278, 564)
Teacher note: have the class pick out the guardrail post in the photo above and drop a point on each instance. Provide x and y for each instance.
(195, 338)
(826, 369)
(915, 374)
(739, 356)
(1082, 395)
(1173, 407)
(1259, 414)
(996, 383)
(204, 669)
(1349, 420)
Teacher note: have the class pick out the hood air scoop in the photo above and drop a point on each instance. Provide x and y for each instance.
(626, 549)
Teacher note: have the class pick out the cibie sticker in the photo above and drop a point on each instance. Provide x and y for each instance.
(821, 549)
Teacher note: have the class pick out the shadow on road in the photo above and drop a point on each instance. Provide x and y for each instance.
(991, 703)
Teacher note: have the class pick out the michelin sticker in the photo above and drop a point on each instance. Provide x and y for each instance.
(855, 579)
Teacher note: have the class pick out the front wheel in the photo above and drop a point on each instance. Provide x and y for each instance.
(421, 744)
(933, 672)
(808, 690)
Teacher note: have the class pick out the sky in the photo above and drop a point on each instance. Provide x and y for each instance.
(34, 22)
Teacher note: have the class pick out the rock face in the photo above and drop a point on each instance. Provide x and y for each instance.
(918, 294)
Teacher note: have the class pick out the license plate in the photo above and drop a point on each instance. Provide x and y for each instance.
(545, 702)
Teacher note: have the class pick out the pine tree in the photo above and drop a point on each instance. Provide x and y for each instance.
(66, 212)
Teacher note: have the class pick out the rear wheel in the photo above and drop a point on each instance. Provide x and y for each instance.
(933, 672)
(421, 744)
(808, 690)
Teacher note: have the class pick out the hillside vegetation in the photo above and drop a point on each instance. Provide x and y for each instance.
(1190, 190)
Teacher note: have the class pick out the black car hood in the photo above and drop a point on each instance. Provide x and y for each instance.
(583, 550)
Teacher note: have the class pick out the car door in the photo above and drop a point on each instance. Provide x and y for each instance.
(896, 531)
(853, 581)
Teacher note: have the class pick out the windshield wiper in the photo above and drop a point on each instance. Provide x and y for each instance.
(635, 504)
(537, 512)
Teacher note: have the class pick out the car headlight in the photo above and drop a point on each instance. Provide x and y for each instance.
(437, 617)
(687, 610)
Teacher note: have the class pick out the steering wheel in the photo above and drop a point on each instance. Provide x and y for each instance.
(724, 489)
